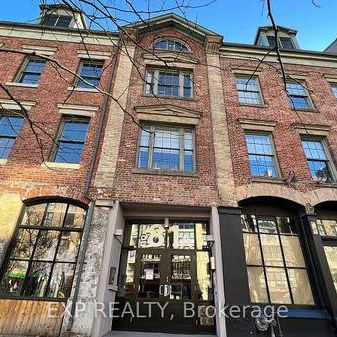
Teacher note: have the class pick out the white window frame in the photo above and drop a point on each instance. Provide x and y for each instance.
(156, 72)
(181, 128)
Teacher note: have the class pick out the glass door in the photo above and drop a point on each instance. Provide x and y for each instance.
(162, 267)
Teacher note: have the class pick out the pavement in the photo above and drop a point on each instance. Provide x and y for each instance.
(148, 334)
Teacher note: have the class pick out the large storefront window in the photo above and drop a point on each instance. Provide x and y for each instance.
(326, 227)
(277, 271)
(43, 255)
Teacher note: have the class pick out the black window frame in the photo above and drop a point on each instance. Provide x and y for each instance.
(31, 259)
(253, 228)
(272, 41)
(57, 18)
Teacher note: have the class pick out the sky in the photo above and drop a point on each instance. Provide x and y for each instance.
(236, 20)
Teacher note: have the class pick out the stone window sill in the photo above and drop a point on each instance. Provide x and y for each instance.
(165, 172)
(54, 165)
(271, 180)
(3, 161)
(23, 85)
(305, 110)
(253, 105)
(327, 185)
(82, 89)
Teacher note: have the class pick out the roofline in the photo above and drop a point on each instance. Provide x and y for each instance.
(45, 6)
(330, 45)
(172, 16)
(293, 31)
(53, 29)
(294, 52)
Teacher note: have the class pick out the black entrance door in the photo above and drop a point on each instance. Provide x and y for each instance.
(165, 281)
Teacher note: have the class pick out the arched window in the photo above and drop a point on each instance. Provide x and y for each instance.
(276, 265)
(42, 258)
(171, 44)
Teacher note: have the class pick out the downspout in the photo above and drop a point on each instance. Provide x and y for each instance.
(85, 239)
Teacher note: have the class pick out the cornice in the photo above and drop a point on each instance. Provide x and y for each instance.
(36, 32)
(296, 57)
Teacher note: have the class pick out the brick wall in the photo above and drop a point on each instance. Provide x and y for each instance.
(23, 169)
(136, 187)
(277, 108)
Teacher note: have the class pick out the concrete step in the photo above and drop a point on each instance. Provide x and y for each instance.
(149, 334)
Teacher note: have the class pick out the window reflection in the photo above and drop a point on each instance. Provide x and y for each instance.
(276, 267)
(37, 279)
(331, 255)
(257, 285)
(61, 280)
(327, 227)
(278, 285)
(14, 277)
(204, 279)
(181, 236)
(32, 264)
(150, 276)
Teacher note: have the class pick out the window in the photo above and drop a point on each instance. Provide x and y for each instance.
(261, 155)
(167, 148)
(9, 129)
(271, 41)
(248, 90)
(334, 89)
(54, 20)
(284, 42)
(277, 271)
(71, 142)
(298, 95)
(170, 44)
(90, 72)
(44, 253)
(32, 71)
(319, 164)
(169, 83)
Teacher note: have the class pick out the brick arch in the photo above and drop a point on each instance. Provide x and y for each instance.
(270, 190)
(46, 192)
(321, 195)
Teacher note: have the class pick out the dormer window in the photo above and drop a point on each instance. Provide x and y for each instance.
(170, 44)
(55, 20)
(284, 42)
(265, 37)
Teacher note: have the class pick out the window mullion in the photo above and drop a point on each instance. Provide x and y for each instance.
(181, 84)
(181, 148)
(151, 146)
(262, 258)
(155, 82)
(284, 262)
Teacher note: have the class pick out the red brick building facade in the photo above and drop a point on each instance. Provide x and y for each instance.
(197, 177)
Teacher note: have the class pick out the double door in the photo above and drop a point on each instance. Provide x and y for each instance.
(165, 295)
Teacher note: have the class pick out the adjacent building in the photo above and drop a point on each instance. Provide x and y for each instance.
(210, 181)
